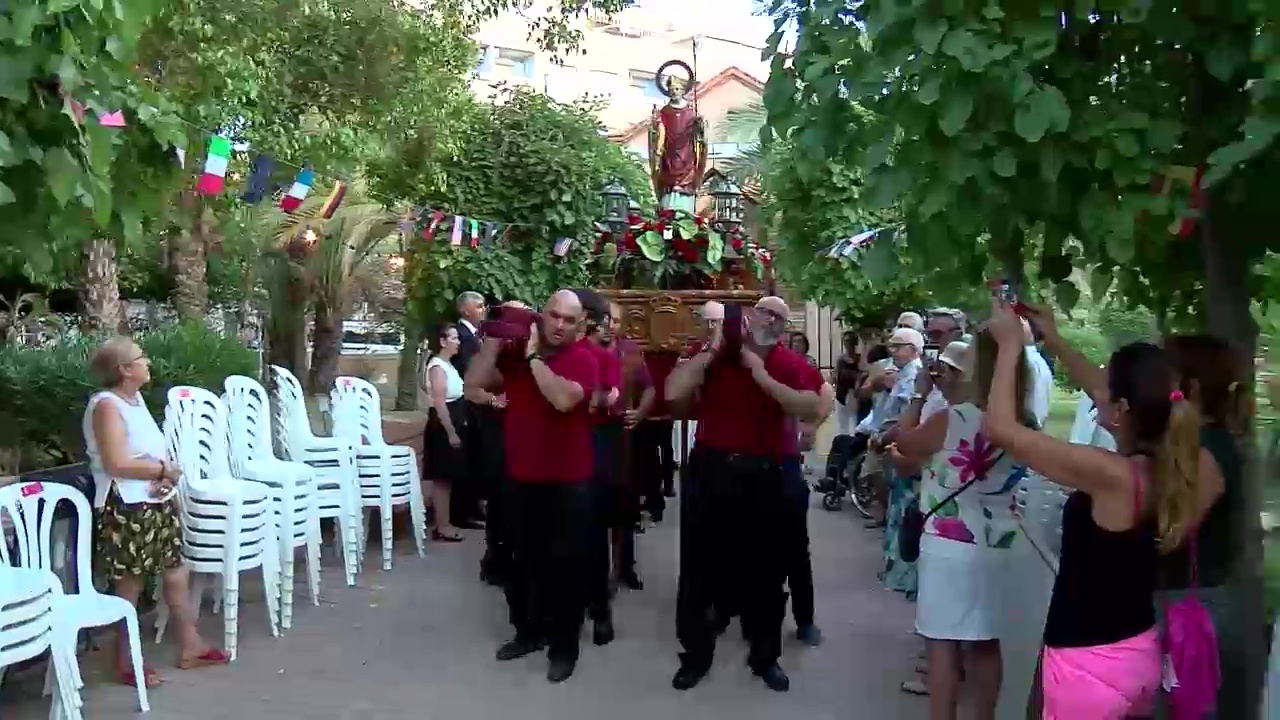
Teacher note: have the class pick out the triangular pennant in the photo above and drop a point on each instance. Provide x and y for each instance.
(475, 233)
(490, 232)
(455, 237)
(259, 179)
(562, 246)
(181, 152)
(113, 119)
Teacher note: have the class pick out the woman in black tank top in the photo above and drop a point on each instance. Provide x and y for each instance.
(1102, 656)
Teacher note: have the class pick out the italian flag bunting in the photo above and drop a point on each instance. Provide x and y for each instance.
(214, 178)
(298, 192)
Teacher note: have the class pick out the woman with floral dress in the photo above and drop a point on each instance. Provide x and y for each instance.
(964, 553)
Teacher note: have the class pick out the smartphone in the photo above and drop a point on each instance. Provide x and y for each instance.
(731, 329)
(1004, 290)
(931, 352)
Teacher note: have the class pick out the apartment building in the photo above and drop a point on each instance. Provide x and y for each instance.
(617, 60)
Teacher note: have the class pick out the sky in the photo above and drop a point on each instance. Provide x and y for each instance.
(737, 13)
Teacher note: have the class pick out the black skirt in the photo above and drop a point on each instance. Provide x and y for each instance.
(441, 461)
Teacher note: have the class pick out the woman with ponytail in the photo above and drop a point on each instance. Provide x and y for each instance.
(1205, 568)
(1102, 658)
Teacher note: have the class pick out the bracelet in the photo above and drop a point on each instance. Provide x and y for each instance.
(533, 356)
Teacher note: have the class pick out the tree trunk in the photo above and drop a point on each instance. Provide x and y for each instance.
(326, 347)
(100, 304)
(407, 372)
(1229, 316)
(191, 265)
(287, 329)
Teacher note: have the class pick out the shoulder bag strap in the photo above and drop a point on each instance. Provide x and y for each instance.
(949, 498)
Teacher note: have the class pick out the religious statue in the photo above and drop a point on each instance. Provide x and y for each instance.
(677, 141)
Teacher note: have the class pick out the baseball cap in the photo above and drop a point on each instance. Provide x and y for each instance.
(956, 354)
(910, 320)
(776, 305)
(907, 336)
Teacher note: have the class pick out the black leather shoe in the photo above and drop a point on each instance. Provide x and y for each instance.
(560, 669)
(602, 631)
(774, 678)
(688, 676)
(809, 635)
(518, 648)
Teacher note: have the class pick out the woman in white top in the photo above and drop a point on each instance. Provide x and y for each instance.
(965, 550)
(139, 536)
(444, 460)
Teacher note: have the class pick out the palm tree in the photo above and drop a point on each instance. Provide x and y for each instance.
(100, 305)
(748, 167)
(318, 262)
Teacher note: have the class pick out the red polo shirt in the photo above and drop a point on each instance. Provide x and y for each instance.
(543, 444)
(736, 415)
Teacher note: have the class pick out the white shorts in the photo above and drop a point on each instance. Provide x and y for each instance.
(962, 590)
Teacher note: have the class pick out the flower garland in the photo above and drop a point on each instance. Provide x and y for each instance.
(677, 243)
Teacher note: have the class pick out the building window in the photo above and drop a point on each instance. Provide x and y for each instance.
(514, 63)
(484, 65)
(645, 83)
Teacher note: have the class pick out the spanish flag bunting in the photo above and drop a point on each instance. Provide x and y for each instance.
(214, 178)
(334, 200)
(298, 192)
(437, 217)
(455, 238)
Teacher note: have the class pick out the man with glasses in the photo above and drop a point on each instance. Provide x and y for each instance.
(895, 383)
(945, 326)
(733, 493)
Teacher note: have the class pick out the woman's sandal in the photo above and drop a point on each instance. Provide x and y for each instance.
(150, 678)
(443, 537)
(204, 659)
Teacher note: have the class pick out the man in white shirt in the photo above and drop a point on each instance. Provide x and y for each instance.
(898, 380)
(1041, 379)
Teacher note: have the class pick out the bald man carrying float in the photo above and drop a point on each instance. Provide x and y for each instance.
(733, 499)
(548, 378)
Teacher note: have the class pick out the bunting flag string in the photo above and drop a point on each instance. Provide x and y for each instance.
(426, 220)
(848, 246)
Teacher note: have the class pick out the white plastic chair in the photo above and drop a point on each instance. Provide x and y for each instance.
(30, 624)
(291, 485)
(31, 506)
(333, 459)
(228, 526)
(388, 473)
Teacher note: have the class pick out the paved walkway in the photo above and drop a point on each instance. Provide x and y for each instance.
(418, 642)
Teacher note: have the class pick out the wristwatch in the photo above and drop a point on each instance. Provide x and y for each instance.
(533, 356)
(916, 396)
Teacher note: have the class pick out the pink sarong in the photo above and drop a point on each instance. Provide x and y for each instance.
(1103, 682)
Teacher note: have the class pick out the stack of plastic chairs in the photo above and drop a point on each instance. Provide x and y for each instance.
(31, 624)
(31, 506)
(388, 474)
(291, 485)
(228, 526)
(332, 459)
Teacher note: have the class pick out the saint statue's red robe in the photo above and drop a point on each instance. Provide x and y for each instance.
(678, 168)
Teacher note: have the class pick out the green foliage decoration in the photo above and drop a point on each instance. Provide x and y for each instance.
(45, 388)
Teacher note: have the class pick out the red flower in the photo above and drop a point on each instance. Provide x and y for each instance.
(700, 221)
(736, 243)
(658, 227)
(667, 214)
(692, 254)
(701, 239)
(629, 243)
(634, 219)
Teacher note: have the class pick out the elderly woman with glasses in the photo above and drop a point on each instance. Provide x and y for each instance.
(139, 535)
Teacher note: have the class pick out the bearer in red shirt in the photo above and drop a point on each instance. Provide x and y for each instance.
(747, 385)
(549, 378)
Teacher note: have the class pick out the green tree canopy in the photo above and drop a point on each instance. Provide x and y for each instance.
(994, 122)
